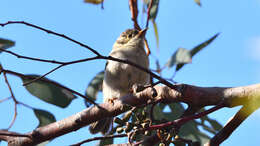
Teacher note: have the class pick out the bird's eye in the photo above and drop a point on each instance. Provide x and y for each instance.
(130, 35)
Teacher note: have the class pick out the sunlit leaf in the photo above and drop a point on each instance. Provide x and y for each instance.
(197, 2)
(44, 117)
(48, 91)
(94, 1)
(196, 49)
(5, 44)
(156, 33)
(181, 56)
(43, 143)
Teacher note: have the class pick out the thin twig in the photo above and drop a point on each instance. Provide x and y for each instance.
(5, 99)
(40, 77)
(99, 56)
(148, 13)
(31, 58)
(56, 84)
(100, 138)
(50, 32)
(134, 13)
(14, 99)
(183, 120)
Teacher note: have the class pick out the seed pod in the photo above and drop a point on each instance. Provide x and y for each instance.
(161, 144)
(119, 129)
(127, 116)
(119, 121)
(145, 125)
(147, 133)
(129, 127)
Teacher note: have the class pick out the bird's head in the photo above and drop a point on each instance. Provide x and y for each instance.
(132, 37)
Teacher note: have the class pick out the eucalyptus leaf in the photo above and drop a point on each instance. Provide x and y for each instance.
(198, 48)
(94, 1)
(5, 44)
(177, 109)
(154, 8)
(156, 33)
(48, 91)
(44, 117)
(181, 56)
(197, 2)
(158, 113)
(191, 131)
(95, 86)
(215, 124)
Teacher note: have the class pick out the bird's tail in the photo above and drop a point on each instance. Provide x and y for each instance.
(102, 126)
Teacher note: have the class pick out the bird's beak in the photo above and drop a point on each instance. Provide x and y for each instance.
(142, 33)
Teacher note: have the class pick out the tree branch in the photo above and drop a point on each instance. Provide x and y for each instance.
(231, 126)
(192, 95)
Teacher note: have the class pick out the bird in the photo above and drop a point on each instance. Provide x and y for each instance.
(120, 77)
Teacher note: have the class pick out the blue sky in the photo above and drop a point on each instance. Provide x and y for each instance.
(233, 59)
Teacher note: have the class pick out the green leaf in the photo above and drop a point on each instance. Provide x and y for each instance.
(215, 124)
(94, 1)
(5, 44)
(44, 117)
(191, 131)
(156, 33)
(197, 2)
(48, 91)
(158, 113)
(181, 56)
(105, 142)
(177, 109)
(95, 86)
(154, 9)
(196, 49)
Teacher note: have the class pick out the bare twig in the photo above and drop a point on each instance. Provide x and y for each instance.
(59, 85)
(62, 64)
(31, 58)
(14, 99)
(183, 120)
(5, 99)
(100, 138)
(134, 13)
(38, 78)
(50, 32)
(148, 13)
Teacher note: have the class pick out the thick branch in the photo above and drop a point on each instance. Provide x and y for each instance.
(191, 95)
(231, 126)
